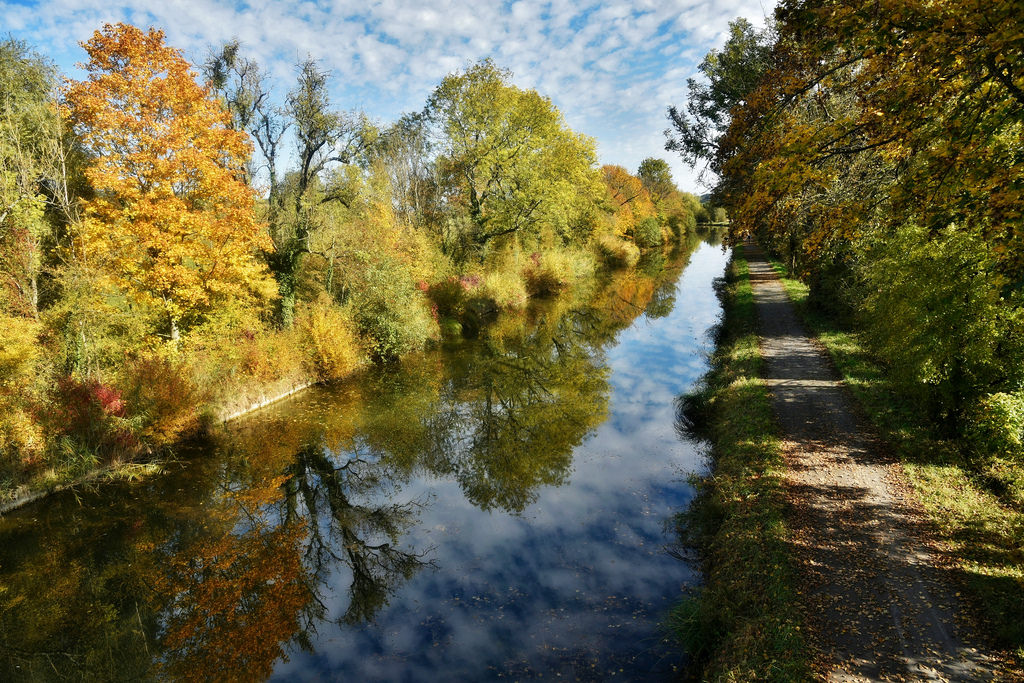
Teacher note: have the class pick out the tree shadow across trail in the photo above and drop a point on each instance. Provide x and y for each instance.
(880, 605)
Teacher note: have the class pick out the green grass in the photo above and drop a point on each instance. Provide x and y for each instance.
(981, 535)
(742, 623)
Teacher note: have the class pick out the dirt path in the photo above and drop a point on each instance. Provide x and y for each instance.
(877, 603)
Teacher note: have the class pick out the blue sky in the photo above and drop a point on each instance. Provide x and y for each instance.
(611, 67)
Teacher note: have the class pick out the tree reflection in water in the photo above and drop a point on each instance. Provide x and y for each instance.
(363, 537)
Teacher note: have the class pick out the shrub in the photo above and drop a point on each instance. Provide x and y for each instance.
(163, 398)
(995, 425)
(647, 233)
(548, 273)
(329, 340)
(21, 438)
(451, 328)
(390, 312)
(936, 307)
(617, 252)
(92, 415)
(452, 294)
(583, 263)
(505, 289)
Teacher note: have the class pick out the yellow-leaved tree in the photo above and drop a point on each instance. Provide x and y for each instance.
(172, 223)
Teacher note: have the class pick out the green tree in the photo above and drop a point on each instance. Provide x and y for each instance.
(728, 75)
(507, 158)
(38, 164)
(36, 160)
(657, 178)
(325, 138)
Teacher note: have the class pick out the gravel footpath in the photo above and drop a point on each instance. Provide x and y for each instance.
(875, 598)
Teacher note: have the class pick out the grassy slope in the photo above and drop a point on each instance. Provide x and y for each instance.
(983, 538)
(742, 624)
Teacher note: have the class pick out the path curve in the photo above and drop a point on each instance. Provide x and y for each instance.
(876, 601)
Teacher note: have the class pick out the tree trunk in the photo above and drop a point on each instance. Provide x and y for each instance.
(286, 307)
(35, 296)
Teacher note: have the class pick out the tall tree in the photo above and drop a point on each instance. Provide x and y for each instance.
(172, 223)
(404, 150)
(728, 76)
(325, 138)
(242, 86)
(510, 161)
(882, 154)
(35, 154)
(657, 178)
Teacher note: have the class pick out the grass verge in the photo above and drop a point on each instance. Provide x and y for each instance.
(982, 537)
(742, 623)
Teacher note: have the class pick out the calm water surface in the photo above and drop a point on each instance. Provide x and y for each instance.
(492, 510)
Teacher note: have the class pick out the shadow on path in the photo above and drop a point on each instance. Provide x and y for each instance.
(879, 606)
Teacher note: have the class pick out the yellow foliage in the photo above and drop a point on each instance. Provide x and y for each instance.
(330, 341)
(20, 434)
(505, 288)
(18, 351)
(629, 199)
(618, 251)
(172, 221)
(549, 272)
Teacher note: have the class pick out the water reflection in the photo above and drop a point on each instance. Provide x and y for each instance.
(421, 515)
(327, 497)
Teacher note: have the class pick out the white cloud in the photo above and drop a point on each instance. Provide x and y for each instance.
(611, 67)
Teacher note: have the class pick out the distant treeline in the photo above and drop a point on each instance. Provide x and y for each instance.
(171, 241)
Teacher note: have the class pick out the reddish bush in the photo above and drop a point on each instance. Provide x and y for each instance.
(164, 398)
(91, 413)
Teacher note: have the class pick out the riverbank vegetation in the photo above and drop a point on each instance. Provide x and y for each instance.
(175, 245)
(876, 150)
(742, 623)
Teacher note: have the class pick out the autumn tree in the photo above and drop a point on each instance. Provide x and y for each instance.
(172, 223)
(880, 153)
(629, 199)
(508, 159)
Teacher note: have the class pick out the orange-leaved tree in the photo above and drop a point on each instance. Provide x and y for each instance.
(172, 222)
(629, 199)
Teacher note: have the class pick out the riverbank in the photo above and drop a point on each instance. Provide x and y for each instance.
(978, 534)
(222, 385)
(742, 623)
(49, 485)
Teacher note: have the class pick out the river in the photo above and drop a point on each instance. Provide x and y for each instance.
(493, 509)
